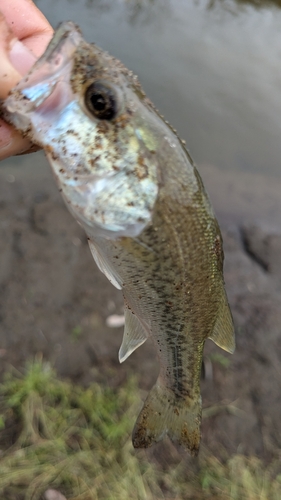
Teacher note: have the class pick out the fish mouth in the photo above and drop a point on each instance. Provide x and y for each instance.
(46, 87)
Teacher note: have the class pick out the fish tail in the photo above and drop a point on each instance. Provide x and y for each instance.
(165, 413)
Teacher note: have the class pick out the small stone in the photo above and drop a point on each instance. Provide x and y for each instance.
(53, 495)
(115, 321)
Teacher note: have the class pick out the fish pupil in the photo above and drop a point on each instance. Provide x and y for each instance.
(100, 101)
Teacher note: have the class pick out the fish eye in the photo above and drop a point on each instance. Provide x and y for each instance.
(101, 101)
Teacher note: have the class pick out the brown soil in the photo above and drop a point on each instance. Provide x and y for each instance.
(55, 301)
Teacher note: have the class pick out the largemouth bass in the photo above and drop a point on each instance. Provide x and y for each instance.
(131, 184)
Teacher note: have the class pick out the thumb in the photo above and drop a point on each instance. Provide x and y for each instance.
(16, 59)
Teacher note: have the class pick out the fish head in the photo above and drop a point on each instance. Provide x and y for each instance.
(98, 129)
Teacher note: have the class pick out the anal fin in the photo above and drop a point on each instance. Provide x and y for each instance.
(103, 265)
(223, 333)
(134, 335)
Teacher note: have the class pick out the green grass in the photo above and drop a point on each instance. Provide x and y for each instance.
(70, 438)
(54, 434)
(241, 478)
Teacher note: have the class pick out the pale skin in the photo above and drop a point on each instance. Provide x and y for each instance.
(24, 35)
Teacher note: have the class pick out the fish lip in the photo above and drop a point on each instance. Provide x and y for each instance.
(51, 68)
(65, 31)
(59, 51)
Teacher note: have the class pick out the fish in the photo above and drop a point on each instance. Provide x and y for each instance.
(132, 185)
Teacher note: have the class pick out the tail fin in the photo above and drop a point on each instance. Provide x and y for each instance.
(164, 413)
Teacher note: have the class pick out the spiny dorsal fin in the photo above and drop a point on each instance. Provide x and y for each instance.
(103, 265)
(223, 333)
(134, 335)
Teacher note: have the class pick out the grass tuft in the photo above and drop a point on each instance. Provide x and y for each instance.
(241, 478)
(54, 434)
(63, 436)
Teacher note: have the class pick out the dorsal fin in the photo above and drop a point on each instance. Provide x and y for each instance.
(134, 335)
(103, 265)
(223, 333)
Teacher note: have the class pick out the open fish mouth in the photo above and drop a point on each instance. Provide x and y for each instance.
(46, 90)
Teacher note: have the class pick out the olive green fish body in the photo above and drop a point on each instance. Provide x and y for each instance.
(172, 282)
(128, 180)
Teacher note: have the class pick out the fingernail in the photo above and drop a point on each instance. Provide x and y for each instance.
(20, 56)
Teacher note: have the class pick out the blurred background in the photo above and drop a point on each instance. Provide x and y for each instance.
(213, 68)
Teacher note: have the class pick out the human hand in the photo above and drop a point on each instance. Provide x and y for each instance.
(24, 35)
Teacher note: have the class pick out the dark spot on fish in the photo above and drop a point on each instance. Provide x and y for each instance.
(92, 161)
(141, 170)
(219, 252)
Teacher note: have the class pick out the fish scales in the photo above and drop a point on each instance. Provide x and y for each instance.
(130, 182)
(174, 304)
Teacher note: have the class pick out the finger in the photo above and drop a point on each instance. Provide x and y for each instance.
(11, 142)
(16, 58)
(9, 76)
(28, 24)
(20, 20)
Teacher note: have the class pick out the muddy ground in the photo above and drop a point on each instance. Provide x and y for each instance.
(54, 301)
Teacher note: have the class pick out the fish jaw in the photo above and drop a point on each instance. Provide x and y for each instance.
(98, 182)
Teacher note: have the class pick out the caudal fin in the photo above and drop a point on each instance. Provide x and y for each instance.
(164, 413)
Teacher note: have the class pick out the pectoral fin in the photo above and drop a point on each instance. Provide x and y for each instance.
(104, 266)
(223, 333)
(134, 335)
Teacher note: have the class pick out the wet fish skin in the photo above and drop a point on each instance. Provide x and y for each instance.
(132, 185)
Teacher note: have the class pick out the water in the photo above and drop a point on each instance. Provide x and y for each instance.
(213, 68)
